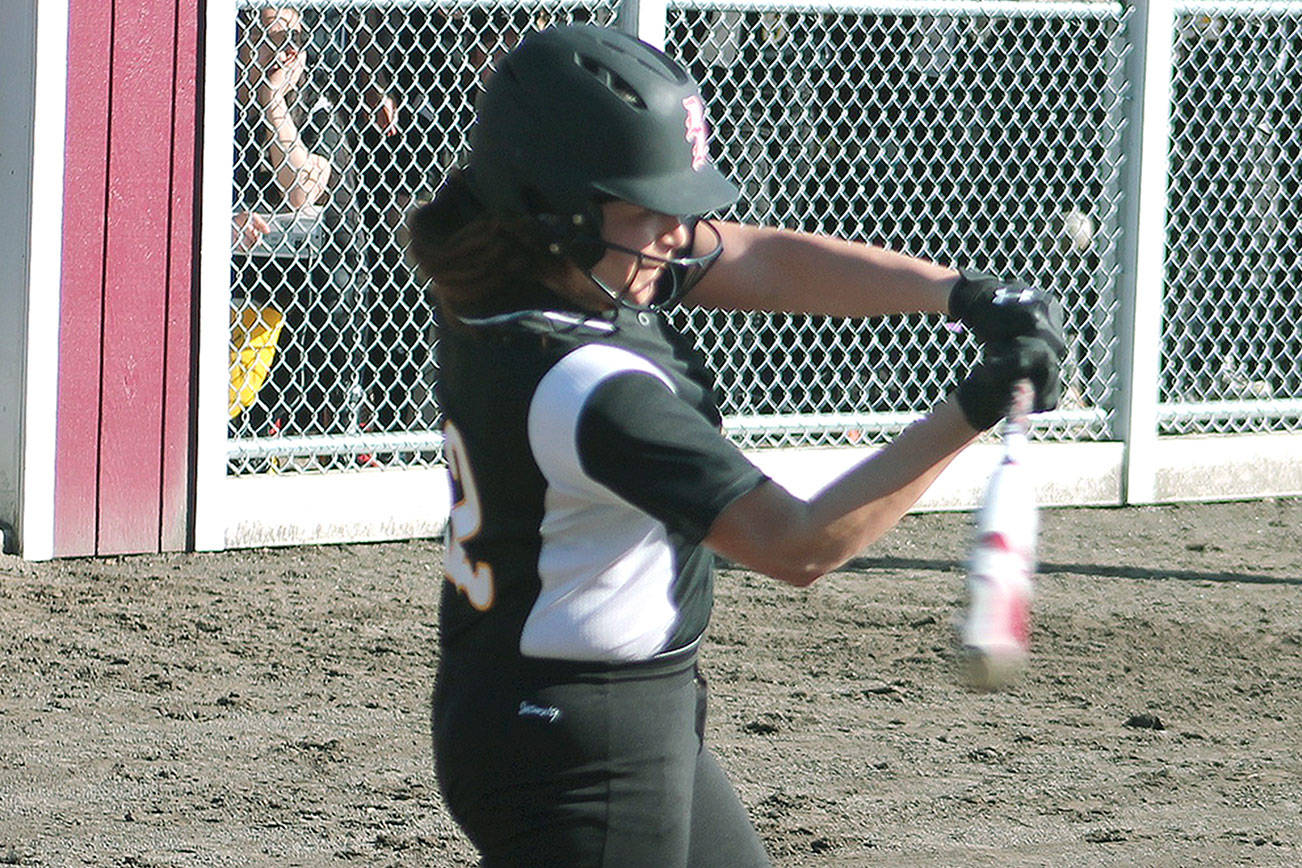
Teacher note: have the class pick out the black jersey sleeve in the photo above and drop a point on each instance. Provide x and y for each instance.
(650, 447)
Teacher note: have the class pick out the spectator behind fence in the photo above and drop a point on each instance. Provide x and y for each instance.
(291, 233)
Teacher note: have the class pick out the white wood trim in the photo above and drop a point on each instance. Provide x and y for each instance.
(34, 34)
(1228, 467)
(270, 510)
(45, 278)
(304, 509)
(214, 299)
(407, 504)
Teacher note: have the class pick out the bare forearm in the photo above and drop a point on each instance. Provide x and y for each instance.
(797, 541)
(861, 506)
(780, 270)
(301, 175)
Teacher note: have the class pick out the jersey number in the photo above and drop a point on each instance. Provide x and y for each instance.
(474, 579)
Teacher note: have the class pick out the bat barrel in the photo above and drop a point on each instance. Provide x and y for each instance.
(996, 631)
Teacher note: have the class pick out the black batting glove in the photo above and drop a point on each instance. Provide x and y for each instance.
(987, 392)
(1000, 310)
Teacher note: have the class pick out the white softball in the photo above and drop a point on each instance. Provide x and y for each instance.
(1078, 229)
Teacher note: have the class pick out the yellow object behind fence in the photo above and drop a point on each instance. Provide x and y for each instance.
(254, 333)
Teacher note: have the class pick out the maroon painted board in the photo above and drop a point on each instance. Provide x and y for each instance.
(81, 300)
(179, 372)
(136, 275)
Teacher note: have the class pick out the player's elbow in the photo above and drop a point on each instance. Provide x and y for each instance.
(801, 576)
(807, 556)
(794, 555)
(767, 559)
(774, 533)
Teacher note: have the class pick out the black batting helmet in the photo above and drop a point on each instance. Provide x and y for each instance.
(578, 114)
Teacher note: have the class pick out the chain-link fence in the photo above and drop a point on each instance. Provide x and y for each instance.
(991, 141)
(989, 135)
(346, 114)
(1232, 331)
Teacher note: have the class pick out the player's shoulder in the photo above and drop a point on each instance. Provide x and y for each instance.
(586, 366)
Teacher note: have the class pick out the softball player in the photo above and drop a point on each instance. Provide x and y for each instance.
(591, 482)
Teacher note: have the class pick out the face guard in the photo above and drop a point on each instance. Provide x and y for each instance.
(680, 274)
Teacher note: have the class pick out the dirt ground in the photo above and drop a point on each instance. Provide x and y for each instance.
(271, 707)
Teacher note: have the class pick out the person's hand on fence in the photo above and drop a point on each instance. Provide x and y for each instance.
(247, 229)
(986, 393)
(999, 310)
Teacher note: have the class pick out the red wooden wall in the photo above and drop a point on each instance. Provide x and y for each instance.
(125, 422)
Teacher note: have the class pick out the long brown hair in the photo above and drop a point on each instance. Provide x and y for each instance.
(478, 264)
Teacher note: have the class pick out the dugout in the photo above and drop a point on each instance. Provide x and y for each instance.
(117, 171)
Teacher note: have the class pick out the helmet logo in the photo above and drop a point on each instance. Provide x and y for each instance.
(696, 132)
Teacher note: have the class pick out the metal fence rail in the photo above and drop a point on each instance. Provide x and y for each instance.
(995, 134)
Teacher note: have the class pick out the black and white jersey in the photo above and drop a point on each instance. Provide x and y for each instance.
(587, 465)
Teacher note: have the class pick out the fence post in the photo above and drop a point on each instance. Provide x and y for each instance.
(645, 19)
(1152, 27)
(214, 277)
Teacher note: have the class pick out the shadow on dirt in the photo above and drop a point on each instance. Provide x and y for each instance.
(949, 565)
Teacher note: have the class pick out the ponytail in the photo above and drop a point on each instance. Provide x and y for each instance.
(478, 264)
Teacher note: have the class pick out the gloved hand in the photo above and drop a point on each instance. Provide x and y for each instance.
(985, 394)
(999, 310)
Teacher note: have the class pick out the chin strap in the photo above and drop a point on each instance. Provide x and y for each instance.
(684, 272)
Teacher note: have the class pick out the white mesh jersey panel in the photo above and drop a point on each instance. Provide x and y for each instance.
(606, 567)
